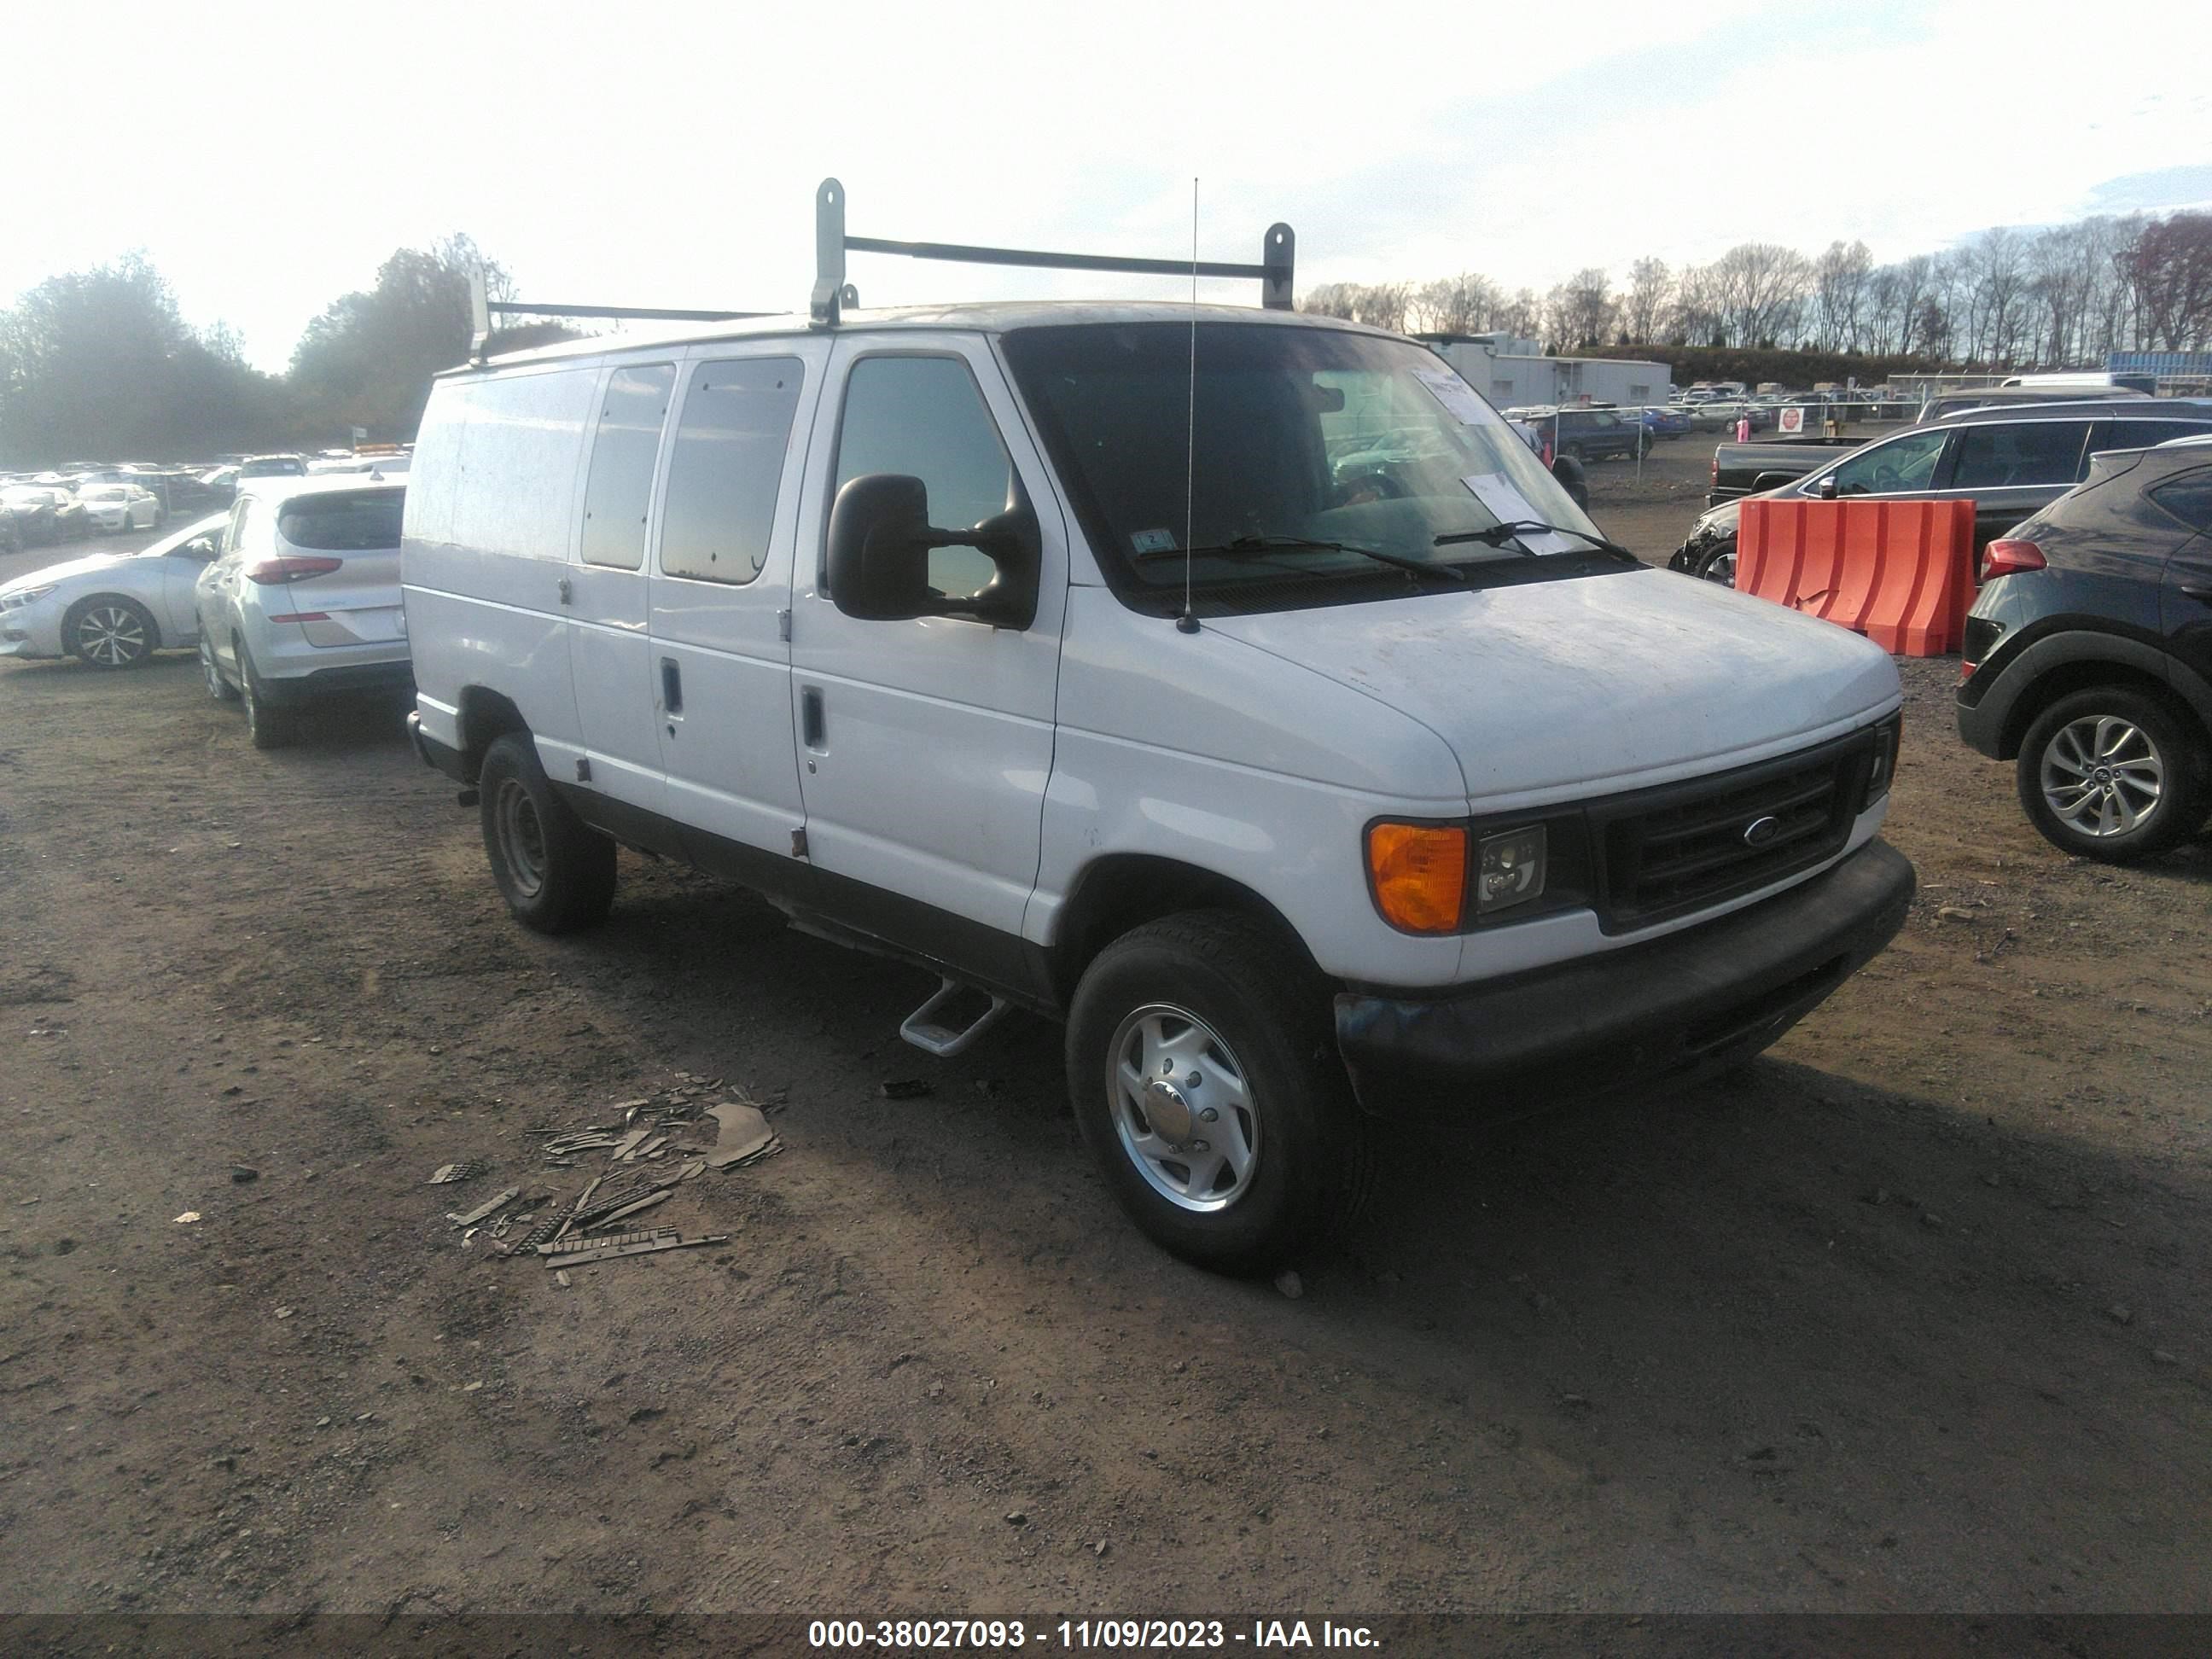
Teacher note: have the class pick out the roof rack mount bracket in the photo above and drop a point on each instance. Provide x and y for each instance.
(1275, 272)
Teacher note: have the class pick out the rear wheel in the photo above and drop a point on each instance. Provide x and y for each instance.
(111, 633)
(2111, 772)
(1203, 1070)
(556, 872)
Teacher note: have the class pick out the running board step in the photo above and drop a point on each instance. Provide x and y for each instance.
(931, 1038)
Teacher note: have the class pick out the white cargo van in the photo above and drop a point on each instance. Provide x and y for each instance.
(1308, 795)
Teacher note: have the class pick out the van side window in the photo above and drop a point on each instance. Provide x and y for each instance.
(727, 463)
(619, 487)
(926, 417)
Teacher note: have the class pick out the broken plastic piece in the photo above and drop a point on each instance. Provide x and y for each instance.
(744, 1133)
(631, 1208)
(467, 1170)
(490, 1206)
(586, 1257)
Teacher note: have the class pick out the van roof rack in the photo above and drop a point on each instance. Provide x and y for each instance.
(832, 292)
(483, 309)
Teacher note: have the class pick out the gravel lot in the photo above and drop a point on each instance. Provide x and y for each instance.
(1908, 1316)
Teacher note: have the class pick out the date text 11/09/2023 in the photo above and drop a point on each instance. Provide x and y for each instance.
(1008, 1635)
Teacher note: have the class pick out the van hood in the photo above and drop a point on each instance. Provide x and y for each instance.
(1591, 684)
(86, 566)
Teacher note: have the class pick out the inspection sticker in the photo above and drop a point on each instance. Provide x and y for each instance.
(1153, 541)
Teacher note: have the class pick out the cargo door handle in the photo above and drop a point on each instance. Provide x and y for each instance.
(671, 686)
(567, 592)
(2198, 590)
(811, 721)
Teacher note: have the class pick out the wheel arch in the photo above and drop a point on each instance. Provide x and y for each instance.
(79, 606)
(484, 717)
(2077, 662)
(1118, 891)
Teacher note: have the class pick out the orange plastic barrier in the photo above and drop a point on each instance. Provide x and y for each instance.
(1901, 573)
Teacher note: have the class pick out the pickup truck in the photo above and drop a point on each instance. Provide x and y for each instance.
(1751, 468)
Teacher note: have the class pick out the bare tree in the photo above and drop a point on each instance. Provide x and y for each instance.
(2168, 268)
(1759, 286)
(1464, 304)
(1649, 287)
(1841, 280)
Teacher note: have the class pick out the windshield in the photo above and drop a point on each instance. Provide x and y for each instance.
(1304, 436)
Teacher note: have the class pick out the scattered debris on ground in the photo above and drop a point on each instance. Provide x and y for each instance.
(445, 1173)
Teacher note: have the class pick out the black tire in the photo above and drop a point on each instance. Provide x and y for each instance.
(1717, 564)
(556, 872)
(109, 631)
(268, 724)
(2116, 740)
(212, 678)
(1310, 1167)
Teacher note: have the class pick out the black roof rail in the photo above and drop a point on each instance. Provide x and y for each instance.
(832, 292)
(483, 309)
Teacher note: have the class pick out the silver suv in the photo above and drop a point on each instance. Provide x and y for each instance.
(303, 600)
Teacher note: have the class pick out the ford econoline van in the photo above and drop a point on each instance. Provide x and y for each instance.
(990, 638)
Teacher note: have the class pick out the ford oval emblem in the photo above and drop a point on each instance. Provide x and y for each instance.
(1759, 831)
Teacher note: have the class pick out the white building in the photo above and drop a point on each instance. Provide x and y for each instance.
(1514, 373)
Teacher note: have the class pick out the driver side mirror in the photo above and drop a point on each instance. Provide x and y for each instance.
(1826, 490)
(200, 549)
(880, 540)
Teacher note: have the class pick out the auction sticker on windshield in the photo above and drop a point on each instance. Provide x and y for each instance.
(1509, 506)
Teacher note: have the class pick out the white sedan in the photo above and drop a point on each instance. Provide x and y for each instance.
(115, 508)
(112, 610)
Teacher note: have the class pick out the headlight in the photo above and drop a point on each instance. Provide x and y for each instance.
(1508, 869)
(23, 596)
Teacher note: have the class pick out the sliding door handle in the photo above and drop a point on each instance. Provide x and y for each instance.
(671, 686)
(811, 721)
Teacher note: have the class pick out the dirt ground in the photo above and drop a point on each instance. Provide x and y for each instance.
(1908, 1316)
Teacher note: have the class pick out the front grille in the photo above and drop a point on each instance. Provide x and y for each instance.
(1665, 851)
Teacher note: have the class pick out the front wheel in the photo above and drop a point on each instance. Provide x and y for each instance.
(267, 726)
(1202, 1062)
(556, 872)
(111, 633)
(211, 674)
(2113, 774)
(1719, 565)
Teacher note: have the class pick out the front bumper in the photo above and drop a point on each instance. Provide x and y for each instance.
(1692, 1002)
(31, 631)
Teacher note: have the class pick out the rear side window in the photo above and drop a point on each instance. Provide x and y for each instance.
(2012, 453)
(343, 524)
(727, 463)
(926, 417)
(2188, 498)
(619, 488)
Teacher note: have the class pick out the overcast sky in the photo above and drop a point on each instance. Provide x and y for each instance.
(269, 158)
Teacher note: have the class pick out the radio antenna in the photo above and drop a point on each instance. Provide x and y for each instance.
(1187, 622)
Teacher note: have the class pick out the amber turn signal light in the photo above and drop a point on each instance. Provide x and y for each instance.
(1419, 873)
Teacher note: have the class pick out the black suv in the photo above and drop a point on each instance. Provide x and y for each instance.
(2009, 462)
(2088, 655)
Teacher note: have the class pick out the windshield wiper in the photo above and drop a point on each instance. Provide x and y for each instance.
(1256, 546)
(1498, 534)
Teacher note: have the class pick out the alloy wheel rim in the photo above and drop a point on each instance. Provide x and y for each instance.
(209, 671)
(1183, 1108)
(112, 636)
(2102, 776)
(1721, 569)
(521, 837)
